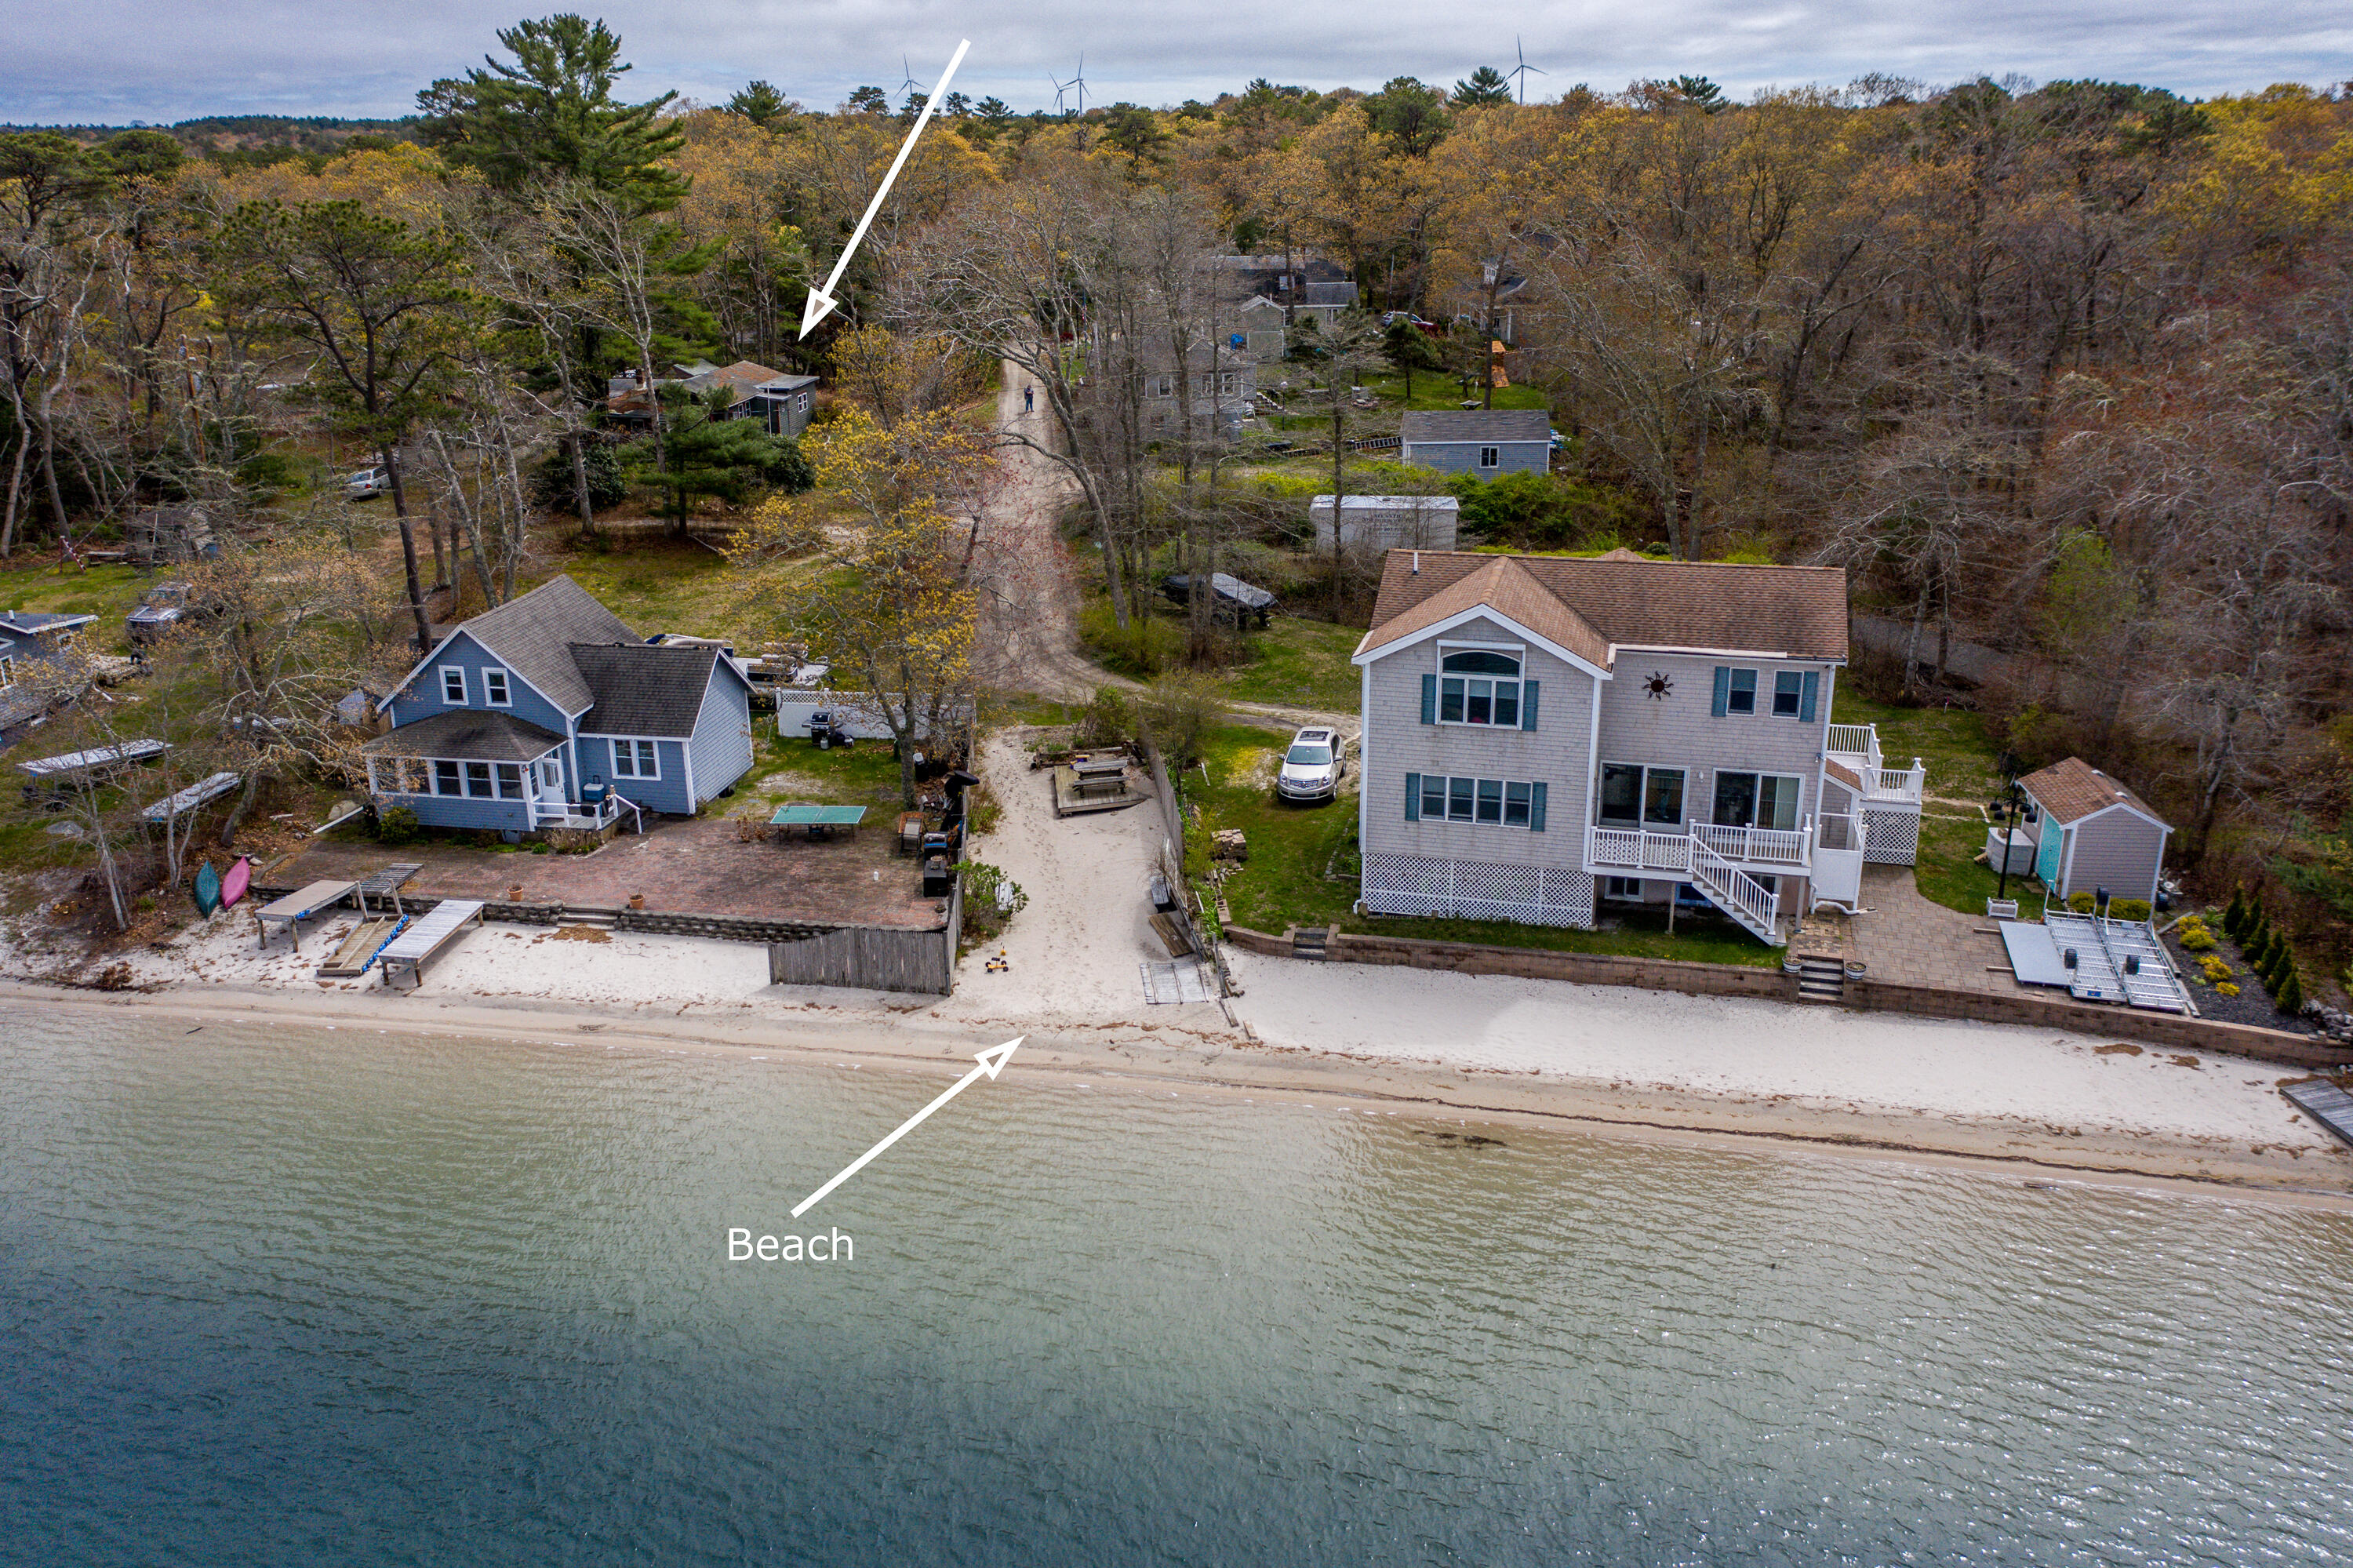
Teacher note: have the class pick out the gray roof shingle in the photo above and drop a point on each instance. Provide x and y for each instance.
(1477, 425)
(534, 633)
(642, 690)
(470, 735)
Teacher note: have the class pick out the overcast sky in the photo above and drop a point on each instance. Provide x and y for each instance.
(110, 61)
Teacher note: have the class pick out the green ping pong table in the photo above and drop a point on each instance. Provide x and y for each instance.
(817, 820)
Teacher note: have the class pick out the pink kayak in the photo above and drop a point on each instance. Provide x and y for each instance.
(239, 878)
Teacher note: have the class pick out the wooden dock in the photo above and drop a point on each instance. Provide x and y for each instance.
(2324, 1103)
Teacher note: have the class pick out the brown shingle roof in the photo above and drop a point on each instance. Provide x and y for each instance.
(1503, 585)
(1796, 611)
(1845, 775)
(2074, 790)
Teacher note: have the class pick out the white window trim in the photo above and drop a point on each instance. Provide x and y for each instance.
(461, 700)
(1773, 709)
(7, 671)
(1518, 651)
(1473, 821)
(505, 682)
(1490, 457)
(633, 741)
(1761, 775)
(1642, 795)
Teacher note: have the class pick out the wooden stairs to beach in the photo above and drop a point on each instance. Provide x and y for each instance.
(1821, 978)
(359, 949)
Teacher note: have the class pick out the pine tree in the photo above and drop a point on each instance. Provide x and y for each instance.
(2234, 918)
(2290, 996)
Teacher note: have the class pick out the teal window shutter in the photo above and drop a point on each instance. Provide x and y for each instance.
(1723, 691)
(1813, 695)
(1535, 806)
(1528, 705)
(1413, 793)
(1429, 699)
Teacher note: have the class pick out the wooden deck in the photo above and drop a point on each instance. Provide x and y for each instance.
(2324, 1103)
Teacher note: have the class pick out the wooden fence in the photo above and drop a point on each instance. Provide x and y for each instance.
(870, 958)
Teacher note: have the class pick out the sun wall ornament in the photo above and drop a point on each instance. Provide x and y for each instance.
(1659, 687)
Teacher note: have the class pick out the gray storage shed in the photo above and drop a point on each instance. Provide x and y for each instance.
(1484, 442)
(2091, 832)
(1372, 523)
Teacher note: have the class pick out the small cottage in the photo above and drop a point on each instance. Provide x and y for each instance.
(2092, 833)
(1482, 441)
(550, 711)
(31, 686)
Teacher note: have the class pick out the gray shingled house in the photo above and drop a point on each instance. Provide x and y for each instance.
(1484, 442)
(514, 711)
(1543, 736)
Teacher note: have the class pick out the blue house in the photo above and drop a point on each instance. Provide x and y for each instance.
(550, 711)
(30, 638)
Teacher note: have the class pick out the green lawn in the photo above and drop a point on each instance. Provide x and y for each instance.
(658, 586)
(108, 592)
(1304, 866)
(1962, 773)
(1432, 389)
(866, 774)
(1296, 663)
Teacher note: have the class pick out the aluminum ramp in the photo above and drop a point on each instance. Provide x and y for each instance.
(2094, 978)
(2132, 947)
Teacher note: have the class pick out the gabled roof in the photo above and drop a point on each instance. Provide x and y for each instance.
(1795, 612)
(1503, 585)
(1477, 425)
(533, 635)
(471, 734)
(739, 378)
(642, 689)
(2071, 790)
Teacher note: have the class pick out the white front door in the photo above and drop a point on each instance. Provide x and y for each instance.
(551, 783)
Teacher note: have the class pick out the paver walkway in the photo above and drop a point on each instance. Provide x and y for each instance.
(1907, 941)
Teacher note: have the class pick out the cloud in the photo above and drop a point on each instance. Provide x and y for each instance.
(113, 61)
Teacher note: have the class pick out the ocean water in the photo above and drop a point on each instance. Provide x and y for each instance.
(275, 1295)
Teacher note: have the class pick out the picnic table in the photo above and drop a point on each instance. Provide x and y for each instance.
(195, 796)
(297, 907)
(1100, 775)
(817, 820)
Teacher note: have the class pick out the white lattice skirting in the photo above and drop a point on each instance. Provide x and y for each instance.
(1472, 890)
(1890, 837)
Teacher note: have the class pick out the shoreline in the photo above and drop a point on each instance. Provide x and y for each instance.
(1218, 1063)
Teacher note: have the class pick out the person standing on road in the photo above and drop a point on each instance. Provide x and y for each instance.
(1029, 399)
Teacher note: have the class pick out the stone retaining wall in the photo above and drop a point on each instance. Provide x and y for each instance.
(1862, 994)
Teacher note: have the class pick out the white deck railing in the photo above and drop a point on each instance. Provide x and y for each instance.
(1780, 849)
(1855, 747)
(1638, 851)
(1758, 846)
(1852, 742)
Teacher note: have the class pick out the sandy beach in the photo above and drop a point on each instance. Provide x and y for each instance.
(1638, 1061)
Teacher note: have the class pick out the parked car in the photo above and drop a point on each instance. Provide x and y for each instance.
(368, 481)
(161, 609)
(1311, 766)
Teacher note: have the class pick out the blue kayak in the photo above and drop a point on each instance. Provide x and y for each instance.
(208, 890)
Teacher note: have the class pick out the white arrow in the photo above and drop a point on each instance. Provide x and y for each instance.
(821, 303)
(992, 1061)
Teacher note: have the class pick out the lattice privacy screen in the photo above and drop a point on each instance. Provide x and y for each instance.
(1889, 838)
(1535, 895)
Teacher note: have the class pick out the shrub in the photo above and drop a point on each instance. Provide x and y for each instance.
(2226, 989)
(2235, 916)
(552, 487)
(2128, 909)
(266, 471)
(2214, 969)
(990, 897)
(398, 825)
(1177, 711)
(2290, 997)
(2082, 903)
(2200, 940)
(1108, 720)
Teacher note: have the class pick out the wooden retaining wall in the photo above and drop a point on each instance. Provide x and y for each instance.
(870, 958)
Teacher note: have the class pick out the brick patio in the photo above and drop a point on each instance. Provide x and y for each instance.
(1907, 940)
(683, 867)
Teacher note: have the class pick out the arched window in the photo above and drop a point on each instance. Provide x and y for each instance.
(1479, 685)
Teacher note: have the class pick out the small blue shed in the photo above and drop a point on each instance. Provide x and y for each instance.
(1483, 441)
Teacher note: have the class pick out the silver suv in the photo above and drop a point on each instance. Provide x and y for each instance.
(1312, 768)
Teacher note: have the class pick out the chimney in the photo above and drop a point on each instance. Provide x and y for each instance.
(1416, 563)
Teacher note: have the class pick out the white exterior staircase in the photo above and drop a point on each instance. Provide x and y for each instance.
(1638, 852)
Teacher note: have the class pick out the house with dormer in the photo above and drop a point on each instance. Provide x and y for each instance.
(1544, 737)
(550, 711)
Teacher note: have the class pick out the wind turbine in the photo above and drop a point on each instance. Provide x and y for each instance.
(1521, 71)
(1058, 95)
(908, 73)
(1078, 81)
